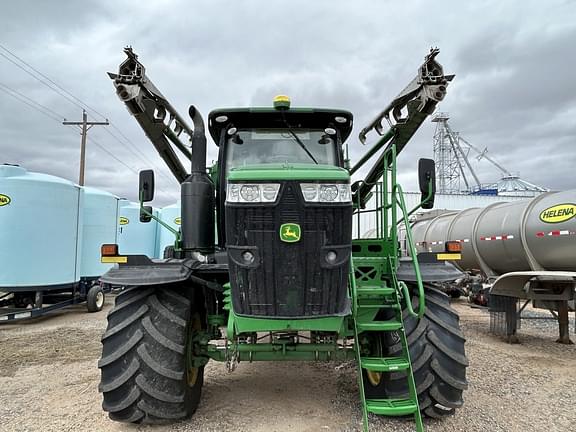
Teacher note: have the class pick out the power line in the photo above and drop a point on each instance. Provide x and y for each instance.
(47, 79)
(82, 105)
(136, 151)
(112, 155)
(70, 97)
(38, 104)
(53, 115)
(85, 125)
(24, 101)
(40, 80)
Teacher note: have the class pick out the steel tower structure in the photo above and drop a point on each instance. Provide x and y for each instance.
(447, 165)
(451, 153)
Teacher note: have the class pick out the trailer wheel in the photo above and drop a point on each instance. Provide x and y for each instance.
(95, 298)
(145, 377)
(439, 362)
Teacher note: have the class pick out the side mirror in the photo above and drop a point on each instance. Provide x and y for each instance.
(146, 187)
(427, 182)
(145, 213)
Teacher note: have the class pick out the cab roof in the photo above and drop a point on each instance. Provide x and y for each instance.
(269, 117)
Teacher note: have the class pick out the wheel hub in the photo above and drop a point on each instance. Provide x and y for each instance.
(100, 299)
(374, 377)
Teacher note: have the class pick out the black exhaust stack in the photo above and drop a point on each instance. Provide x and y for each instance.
(198, 201)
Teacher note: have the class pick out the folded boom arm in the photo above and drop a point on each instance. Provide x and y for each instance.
(160, 121)
(404, 116)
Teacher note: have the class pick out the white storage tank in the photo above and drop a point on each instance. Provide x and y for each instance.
(39, 224)
(171, 216)
(135, 237)
(99, 226)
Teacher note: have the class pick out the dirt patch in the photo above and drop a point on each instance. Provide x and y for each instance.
(60, 346)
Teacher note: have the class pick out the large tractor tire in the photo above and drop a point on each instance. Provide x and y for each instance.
(439, 362)
(145, 378)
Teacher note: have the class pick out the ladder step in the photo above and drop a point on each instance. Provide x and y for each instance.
(384, 364)
(378, 306)
(392, 407)
(369, 259)
(367, 290)
(379, 326)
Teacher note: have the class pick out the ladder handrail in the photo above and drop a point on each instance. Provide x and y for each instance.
(357, 343)
(398, 194)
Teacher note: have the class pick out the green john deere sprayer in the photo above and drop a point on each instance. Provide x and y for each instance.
(272, 262)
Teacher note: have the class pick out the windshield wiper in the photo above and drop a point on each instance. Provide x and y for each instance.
(298, 140)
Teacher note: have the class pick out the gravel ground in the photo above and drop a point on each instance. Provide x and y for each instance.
(49, 379)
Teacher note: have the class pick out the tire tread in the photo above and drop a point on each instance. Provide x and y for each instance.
(143, 357)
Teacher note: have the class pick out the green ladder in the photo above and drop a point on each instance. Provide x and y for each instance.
(376, 298)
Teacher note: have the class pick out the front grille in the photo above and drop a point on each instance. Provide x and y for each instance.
(289, 279)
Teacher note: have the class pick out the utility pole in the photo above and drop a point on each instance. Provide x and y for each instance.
(84, 125)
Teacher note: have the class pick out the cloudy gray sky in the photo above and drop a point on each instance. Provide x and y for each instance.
(514, 91)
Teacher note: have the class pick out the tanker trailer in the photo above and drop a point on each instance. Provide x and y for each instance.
(523, 249)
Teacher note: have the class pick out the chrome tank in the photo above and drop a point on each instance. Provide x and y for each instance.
(534, 234)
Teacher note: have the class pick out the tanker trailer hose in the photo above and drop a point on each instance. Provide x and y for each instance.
(397, 191)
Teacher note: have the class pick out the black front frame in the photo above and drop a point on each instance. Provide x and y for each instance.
(289, 280)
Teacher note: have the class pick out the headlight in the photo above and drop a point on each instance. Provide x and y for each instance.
(270, 192)
(252, 193)
(345, 193)
(310, 192)
(313, 192)
(328, 192)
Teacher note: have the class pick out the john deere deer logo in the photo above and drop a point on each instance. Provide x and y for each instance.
(290, 232)
(4, 200)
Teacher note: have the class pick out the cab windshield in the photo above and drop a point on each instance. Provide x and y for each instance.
(262, 146)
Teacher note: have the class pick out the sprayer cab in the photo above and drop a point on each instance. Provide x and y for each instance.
(285, 206)
(279, 134)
